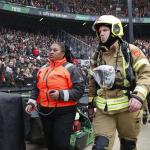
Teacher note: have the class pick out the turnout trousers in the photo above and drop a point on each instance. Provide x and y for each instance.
(128, 125)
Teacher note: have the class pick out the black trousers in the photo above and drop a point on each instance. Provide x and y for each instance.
(58, 127)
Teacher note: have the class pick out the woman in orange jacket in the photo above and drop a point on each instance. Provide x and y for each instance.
(58, 88)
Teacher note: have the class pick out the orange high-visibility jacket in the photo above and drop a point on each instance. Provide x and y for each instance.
(59, 75)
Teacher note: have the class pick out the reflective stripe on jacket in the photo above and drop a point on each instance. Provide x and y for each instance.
(112, 103)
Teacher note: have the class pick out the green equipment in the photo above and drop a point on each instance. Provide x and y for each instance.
(85, 136)
(80, 139)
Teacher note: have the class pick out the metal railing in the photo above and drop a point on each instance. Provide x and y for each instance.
(79, 48)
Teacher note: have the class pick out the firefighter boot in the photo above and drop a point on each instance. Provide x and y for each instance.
(128, 144)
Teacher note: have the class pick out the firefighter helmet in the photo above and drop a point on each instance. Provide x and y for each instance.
(112, 21)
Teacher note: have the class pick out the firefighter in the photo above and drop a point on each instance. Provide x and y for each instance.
(118, 85)
(58, 88)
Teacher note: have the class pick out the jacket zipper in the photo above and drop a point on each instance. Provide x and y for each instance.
(46, 77)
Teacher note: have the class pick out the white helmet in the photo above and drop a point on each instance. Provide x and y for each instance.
(115, 24)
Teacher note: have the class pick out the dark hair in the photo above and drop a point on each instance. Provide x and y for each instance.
(69, 56)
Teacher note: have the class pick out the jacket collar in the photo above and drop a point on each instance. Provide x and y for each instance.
(114, 49)
(57, 63)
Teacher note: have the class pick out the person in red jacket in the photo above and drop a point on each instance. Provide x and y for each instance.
(58, 88)
(35, 52)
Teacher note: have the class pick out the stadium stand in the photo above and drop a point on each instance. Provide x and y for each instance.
(21, 35)
(141, 8)
(18, 65)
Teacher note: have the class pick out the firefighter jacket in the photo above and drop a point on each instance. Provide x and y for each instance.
(59, 75)
(116, 100)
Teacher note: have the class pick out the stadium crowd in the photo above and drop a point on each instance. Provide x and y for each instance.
(19, 57)
(141, 8)
(22, 53)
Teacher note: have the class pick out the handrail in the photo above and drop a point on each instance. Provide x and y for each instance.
(16, 90)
